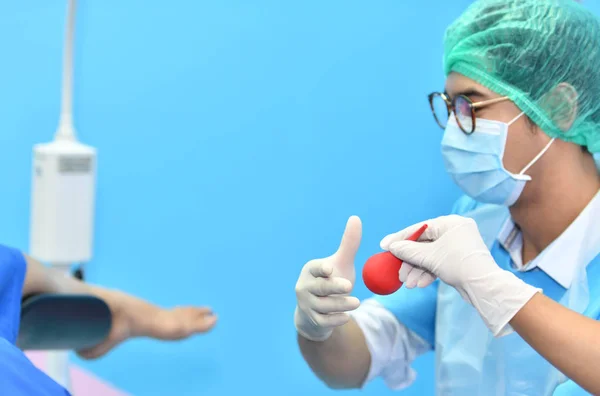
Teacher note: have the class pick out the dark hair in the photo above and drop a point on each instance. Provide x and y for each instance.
(532, 125)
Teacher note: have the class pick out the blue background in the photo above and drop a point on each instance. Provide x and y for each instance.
(234, 140)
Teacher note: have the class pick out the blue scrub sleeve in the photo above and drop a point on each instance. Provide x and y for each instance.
(416, 308)
(12, 275)
(18, 376)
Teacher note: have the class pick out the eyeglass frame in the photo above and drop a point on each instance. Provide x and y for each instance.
(450, 104)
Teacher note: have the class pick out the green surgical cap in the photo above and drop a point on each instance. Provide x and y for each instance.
(534, 51)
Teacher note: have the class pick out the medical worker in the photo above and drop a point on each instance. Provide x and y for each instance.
(521, 119)
(22, 276)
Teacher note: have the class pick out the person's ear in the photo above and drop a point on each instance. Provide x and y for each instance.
(562, 105)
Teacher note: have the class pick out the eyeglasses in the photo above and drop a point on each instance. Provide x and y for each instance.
(463, 108)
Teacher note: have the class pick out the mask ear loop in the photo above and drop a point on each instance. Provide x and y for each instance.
(516, 118)
(537, 157)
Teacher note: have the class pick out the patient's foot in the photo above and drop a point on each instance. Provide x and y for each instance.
(134, 317)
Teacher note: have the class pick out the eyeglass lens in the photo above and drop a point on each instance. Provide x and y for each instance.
(464, 113)
(462, 108)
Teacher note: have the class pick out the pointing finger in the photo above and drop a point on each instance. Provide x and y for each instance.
(350, 241)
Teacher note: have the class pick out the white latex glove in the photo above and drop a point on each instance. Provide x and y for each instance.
(452, 249)
(323, 288)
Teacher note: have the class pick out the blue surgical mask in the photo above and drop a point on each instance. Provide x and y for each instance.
(474, 161)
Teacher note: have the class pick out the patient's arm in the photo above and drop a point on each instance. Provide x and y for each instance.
(42, 279)
(132, 317)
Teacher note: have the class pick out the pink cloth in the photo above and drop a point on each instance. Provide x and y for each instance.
(83, 382)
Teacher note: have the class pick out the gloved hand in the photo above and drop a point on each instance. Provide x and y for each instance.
(323, 288)
(452, 249)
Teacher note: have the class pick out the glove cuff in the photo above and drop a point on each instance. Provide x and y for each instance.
(308, 330)
(498, 297)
